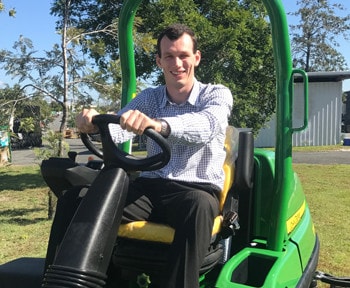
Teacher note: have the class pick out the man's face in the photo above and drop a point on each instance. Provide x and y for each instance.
(178, 62)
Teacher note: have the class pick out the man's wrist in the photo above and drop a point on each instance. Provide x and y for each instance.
(165, 128)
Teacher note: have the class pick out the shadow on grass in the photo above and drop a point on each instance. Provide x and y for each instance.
(20, 217)
(21, 182)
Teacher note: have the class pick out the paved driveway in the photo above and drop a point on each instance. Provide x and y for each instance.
(26, 156)
(329, 157)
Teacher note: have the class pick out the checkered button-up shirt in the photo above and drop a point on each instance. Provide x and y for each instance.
(197, 135)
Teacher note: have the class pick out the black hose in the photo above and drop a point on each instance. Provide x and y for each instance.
(60, 276)
(85, 251)
(332, 280)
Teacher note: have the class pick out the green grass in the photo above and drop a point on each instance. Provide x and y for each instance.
(24, 228)
(327, 190)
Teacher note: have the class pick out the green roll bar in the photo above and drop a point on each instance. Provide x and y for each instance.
(284, 103)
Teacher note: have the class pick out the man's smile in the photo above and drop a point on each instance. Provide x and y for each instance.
(177, 72)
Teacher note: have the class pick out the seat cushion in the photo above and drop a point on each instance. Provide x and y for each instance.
(155, 232)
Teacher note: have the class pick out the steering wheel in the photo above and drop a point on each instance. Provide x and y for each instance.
(114, 157)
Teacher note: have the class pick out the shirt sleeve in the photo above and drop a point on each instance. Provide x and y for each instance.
(202, 126)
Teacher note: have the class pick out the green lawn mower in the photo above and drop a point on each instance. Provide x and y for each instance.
(264, 236)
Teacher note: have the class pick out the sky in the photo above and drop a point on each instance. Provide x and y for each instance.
(33, 21)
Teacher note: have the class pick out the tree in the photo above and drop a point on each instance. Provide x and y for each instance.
(9, 98)
(99, 40)
(14, 102)
(314, 38)
(11, 12)
(63, 73)
(37, 75)
(234, 40)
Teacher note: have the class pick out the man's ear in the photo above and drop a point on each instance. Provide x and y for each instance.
(198, 57)
(158, 61)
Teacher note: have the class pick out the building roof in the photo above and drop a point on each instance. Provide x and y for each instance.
(324, 76)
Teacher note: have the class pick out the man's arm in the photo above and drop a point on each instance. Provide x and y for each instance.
(131, 121)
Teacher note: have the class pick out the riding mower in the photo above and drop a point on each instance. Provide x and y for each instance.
(264, 236)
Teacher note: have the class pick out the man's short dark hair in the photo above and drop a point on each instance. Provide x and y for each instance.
(174, 32)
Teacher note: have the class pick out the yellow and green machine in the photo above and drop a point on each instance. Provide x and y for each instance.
(271, 243)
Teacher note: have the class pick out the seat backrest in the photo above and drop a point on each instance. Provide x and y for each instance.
(231, 148)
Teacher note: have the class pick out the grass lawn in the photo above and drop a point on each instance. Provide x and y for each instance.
(327, 189)
(24, 227)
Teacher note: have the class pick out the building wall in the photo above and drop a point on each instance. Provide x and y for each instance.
(325, 109)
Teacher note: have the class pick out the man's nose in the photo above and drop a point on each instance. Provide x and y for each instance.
(177, 61)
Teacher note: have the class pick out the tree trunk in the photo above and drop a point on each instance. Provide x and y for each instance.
(4, 156)
(52, 201)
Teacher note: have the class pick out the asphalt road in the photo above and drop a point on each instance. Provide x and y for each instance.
(27, 156)
(330, 157)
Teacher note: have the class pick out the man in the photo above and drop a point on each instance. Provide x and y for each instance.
(193, 117)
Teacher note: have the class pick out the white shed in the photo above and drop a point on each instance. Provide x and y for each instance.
(325, 112)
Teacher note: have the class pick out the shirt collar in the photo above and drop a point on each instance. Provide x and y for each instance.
(191, 99)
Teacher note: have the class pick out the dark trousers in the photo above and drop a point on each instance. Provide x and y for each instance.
(189, 208)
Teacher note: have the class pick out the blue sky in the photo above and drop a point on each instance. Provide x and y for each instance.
(33, 20)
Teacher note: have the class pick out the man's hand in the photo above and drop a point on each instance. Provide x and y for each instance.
(83, 121)
(137, 122)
